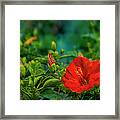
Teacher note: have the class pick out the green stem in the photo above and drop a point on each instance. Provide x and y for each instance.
(40, 88)
(65, 56)
(40, 82)
(43, 80)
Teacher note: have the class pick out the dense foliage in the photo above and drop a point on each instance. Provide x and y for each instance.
(65, 40)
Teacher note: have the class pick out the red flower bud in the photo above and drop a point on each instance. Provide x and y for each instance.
(51, 60)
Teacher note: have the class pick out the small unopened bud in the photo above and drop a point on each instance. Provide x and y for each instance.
(30, 40)
(56, 53)
(81, 54)
(62, 51)
(51, 60)
(53, 45)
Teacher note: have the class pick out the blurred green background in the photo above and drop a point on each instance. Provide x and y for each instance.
(65, 40)
(70, 35)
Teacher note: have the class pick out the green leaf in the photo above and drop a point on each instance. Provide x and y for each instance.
(51, 95)
(31, 82)
(36, 68)
(24, 60)
(22, 70)
(21, 82)
(50, 82)
(36, 79)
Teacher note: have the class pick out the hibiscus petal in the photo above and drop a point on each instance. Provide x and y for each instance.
(72, 71)
(83, 63)
(73, 85)
(95, 79)
(94, 66)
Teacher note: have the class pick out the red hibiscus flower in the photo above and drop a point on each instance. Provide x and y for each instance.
(51, 60)
(82, 74)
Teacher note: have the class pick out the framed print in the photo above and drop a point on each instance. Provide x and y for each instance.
(60, 59)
